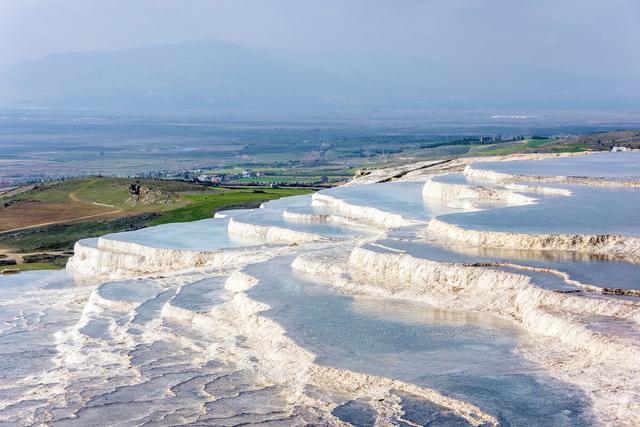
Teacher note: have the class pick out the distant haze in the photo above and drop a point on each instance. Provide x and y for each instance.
(491, 54)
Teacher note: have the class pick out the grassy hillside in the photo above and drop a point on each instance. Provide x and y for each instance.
(202, 205)
(39, 227)
(113, 192)
(503, 149)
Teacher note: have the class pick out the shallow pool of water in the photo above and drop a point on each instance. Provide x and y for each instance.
(272, 217)
(595, 270)
(465, 355)
(201, 295)
(588, 211)
(133, 291)
(403, 198)
(204, 235)
(605, 165)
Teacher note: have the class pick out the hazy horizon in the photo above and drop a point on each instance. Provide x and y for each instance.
(283, 54)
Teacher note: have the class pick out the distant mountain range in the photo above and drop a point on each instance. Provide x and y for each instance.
(213, 75)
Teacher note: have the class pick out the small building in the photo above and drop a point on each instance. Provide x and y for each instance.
(617, 149)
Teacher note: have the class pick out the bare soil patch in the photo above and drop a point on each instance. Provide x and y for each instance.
(34, 213)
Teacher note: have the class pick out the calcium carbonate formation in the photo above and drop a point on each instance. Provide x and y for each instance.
(440, 297)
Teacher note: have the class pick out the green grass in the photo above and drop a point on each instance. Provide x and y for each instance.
(115, 192)
(280, 178)
(196, 206)
(33, 266)
(503, 149)
(57, 264)
(59, 237)
(203, 206)
(108, 191)
(570, 148)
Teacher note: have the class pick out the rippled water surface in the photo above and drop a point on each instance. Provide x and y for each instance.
(468, 356)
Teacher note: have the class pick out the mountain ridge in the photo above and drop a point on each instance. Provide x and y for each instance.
(212, 74)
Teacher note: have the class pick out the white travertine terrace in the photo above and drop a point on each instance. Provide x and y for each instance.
(502, 177)
(111, 258)
(321, 218)
(605, 365)
(453, 192)
(271, 233)
(364, 214)
(238, 337)
(295, 366)
(627, 246)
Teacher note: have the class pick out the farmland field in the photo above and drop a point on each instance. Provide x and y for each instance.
(41, 144)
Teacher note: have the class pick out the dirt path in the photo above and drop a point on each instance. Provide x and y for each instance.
(75, 198)
(72, 195)
(62, 221)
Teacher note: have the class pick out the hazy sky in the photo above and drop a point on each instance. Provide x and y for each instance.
(594, 36)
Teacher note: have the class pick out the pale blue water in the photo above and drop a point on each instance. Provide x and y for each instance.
(201, 295)
(451, 178)
(591, 269)
(403, 198)
(134, 290)
(464, 355)
(459, 178)
(289, 202)
(588, 211)
(204, 235)
(605, 165)
(14, 285)
(274, 218)
(311, 210)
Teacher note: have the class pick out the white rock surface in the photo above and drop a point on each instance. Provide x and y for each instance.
(559, 331)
